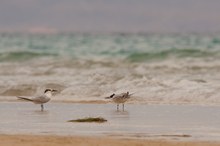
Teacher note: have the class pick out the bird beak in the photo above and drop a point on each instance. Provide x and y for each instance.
(54, 90)
(131, 94)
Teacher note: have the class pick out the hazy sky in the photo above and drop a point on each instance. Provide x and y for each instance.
(110, 15)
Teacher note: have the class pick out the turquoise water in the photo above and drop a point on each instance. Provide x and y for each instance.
(19, 47)
(164, 68)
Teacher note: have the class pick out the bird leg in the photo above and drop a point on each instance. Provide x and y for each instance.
(42, 107)
(123, 106)
(117, 107)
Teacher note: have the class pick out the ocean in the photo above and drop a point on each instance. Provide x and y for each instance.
(157, 68)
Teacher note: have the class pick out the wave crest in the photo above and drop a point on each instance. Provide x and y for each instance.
(177, 53)
(22, 55)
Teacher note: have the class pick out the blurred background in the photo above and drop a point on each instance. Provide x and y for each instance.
(128, 16)
(166, 51)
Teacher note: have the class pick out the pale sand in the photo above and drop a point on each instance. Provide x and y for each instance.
(33, 140)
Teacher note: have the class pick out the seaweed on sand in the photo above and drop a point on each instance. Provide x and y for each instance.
(90, 119)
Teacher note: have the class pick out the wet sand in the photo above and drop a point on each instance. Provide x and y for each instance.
(140, 123)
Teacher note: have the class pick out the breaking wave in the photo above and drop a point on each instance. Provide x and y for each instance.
(157, 69)
(22, 55)
(172, 53)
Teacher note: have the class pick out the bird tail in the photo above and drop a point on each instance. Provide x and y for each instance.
(24, 98)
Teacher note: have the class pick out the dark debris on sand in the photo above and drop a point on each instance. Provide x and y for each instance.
(90, 119)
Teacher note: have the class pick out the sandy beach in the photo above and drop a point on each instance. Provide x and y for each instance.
(34, 140)
(23, 124)
(159, 58)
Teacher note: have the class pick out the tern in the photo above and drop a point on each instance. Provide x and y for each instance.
(119, 98)
(40, 99)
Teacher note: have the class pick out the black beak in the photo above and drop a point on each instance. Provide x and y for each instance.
(54, 90)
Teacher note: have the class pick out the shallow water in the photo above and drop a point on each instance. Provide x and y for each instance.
(137, 121)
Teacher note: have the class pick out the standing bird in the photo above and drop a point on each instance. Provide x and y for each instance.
(119, 98)
(40, 99)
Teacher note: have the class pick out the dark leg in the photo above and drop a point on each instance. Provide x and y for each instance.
(42, 107)
(117, 107)
(123, 106)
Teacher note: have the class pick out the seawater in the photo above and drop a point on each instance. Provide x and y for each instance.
(172, 68)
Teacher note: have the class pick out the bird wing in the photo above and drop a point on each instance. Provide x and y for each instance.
(24, 98)
(40, 99)
(111, 96)
(108, 97)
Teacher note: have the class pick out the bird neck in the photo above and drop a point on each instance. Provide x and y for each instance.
(48, 94)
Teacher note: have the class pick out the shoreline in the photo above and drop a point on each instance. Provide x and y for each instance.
(128, 102)
(143, 122)
(54, 140)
